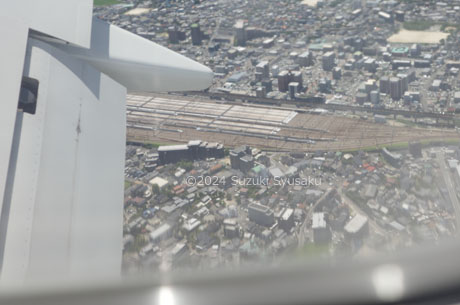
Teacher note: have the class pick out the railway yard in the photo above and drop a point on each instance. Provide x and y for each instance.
(162, 118)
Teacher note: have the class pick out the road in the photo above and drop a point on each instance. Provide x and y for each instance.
(451, 189)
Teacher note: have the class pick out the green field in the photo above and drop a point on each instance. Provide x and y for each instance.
(421, 25)
(105, 2)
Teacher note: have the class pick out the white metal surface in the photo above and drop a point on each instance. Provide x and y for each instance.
(65, 215)
(14, 40)
(69, 20)
(61, 169)
(140, 64)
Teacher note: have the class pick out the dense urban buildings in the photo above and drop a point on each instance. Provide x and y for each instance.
(338, 123)
(321, 202)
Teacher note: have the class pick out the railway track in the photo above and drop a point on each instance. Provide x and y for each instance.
(181, 119)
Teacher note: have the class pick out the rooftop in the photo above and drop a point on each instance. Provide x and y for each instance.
(161, 230)
(259, 207)
(173, 147)
(356, 223)
(318, 221)
(158, 181)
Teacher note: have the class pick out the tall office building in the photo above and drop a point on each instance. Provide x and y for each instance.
(305, 59)
(263, 68)
(236, 155)
(374, 97)
(293, 89)
(240, 33)
(196, 34)
(395, 88)
(370, 65)
(361, 98)
(261, 92)
(384, 85)
(296, 76)
(328, 61)
(404, 83)
(336, 73)
(268, 85)
(324, 85)
(261, 214)
(173, 35)
(283, 81)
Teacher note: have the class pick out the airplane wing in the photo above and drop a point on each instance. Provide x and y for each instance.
(69, 20)
(62, 152)
(139, 64)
